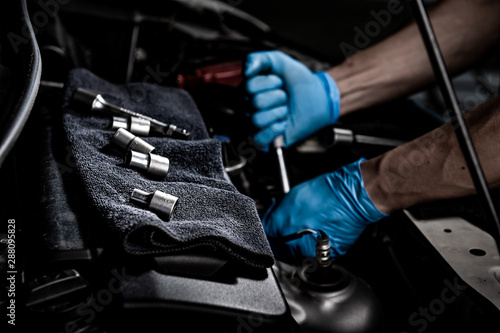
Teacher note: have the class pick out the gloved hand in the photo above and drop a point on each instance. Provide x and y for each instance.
(289, 98)
(336, 203)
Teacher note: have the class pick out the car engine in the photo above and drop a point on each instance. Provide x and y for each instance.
(99, 237)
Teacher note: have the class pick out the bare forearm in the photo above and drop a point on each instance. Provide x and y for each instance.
(399, 65)
(432, 167)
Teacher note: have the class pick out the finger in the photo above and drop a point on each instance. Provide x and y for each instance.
(268, 134)
(257, 62)
(265, 118)
(304, 247)
(261, 83)
(269, 99)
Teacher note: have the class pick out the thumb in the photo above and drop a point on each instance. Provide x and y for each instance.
(257, 62)
(272, 62)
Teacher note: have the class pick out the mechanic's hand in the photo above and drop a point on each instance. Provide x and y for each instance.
(289, 98)
(336, 203)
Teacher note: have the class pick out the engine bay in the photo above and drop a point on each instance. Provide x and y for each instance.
(430, 268)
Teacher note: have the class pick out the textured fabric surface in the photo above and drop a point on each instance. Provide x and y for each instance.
(210, 214)
(59, 220)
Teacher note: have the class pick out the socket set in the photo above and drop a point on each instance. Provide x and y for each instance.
(129, 127)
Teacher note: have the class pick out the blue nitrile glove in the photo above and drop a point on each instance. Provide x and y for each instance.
(289, 98)
(336, 203)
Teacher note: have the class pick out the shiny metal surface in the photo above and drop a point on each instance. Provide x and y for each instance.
(279, 144)
(128, 141)
(154, 165)
(470, 251)
(163, 204)
(135, 125)
(137, 160)
(342, 304)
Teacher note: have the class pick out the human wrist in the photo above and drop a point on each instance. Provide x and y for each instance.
(374, 185)
(347, 186)
(332, 95)
(352, 77)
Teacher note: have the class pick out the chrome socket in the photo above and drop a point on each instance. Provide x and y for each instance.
(154, 165)
(128, 141)
(163, 204)
(134, 125)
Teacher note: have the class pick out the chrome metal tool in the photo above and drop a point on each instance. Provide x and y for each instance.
(161, 203)
(279, 144)
(95, 102)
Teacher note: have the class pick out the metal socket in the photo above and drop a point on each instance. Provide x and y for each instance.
(153, 164)
(128, 141)
(161, 203)
(134, 125)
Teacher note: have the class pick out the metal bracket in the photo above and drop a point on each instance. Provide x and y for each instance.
(471, 252)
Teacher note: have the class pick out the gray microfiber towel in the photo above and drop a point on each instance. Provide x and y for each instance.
(210, 214)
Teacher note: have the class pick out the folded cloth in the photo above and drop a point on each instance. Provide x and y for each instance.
(210, 212)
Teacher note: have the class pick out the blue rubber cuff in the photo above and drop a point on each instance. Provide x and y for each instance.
(333, 94)
(364, 198)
